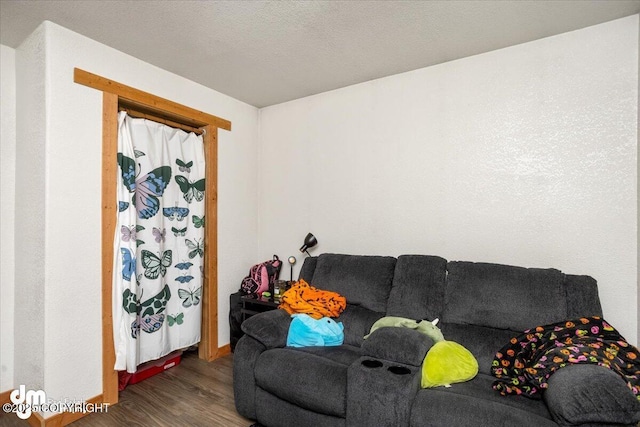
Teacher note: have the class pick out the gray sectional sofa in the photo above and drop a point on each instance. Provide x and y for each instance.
(376, 382)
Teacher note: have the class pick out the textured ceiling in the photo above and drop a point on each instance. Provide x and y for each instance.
(267, 52)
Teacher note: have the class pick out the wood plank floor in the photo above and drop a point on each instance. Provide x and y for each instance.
(194, 393)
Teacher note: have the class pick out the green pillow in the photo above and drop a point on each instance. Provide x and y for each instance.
(428, 328)
(448, 362)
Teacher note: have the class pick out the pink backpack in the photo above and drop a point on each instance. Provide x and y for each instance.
(261, 277)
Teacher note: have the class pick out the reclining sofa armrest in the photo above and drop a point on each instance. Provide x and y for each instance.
(401, 345)
(586, 394)
(269, 328)
(245, 357)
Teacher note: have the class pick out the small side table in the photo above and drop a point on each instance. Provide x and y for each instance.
(252, 305)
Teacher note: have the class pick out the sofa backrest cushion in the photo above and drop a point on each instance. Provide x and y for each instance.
(502, 296)
(357, 323)
(481, 341)
(418, 287)
(307, 269)
(362, 280)
(582, 296)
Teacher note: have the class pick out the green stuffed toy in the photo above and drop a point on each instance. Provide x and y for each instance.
(447, 362)
(428, 328)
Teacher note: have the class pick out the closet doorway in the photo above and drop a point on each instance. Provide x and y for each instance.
(117, 96)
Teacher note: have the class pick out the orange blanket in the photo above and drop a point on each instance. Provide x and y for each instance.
(304, 298)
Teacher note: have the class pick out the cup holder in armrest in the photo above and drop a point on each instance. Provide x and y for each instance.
(399, 370)
(371, 363)
(381, 392)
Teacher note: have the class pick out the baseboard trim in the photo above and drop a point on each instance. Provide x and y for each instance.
(224, 350)
(63, 418)
(36, 420)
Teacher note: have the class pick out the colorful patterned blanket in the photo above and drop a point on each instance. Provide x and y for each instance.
(524, 365)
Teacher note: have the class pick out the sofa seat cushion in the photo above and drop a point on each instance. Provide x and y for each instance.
(343, 354)
(503, 296)
(476, 403)
(292, 374)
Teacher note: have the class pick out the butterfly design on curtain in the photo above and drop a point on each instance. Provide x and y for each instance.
(189, 297)
(154, 265)
(175, 320)
(128, 264)
(183, 265)
(175, 213)
(184, 279)
(179, 232)
(130, 302)
(130, 234)
(197, 221)
(196, 248)
(191, 190)
(159, 235)
(184, 167)
(149, 313)
(145, 188)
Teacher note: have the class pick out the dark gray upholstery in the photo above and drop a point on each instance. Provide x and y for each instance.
(271, 329)
(308, 267)
(293, 376)
(244, 375)
(357, 322)
(344, 354)
(275, 412)
(503, 297)
(482, 342)
(401, 345)
(473, 404)
(363, 280)
(418, 287)
(375, 382)
(582, 296)
(576, 396)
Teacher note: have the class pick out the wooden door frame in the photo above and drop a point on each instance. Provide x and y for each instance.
(117, 95)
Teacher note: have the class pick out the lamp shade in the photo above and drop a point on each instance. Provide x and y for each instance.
(309, 242)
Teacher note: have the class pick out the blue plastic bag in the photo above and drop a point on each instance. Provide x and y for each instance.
(305, 331)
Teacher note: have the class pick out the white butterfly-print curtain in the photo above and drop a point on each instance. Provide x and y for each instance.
(159, 241)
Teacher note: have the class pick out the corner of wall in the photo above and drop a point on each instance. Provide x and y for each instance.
(30, 209)
(257, 180)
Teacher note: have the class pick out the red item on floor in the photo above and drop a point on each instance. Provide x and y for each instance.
(149, 369)
(123, 379)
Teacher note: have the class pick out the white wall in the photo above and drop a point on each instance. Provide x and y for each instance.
(69, 206)
(524, 156)
(7, 211)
